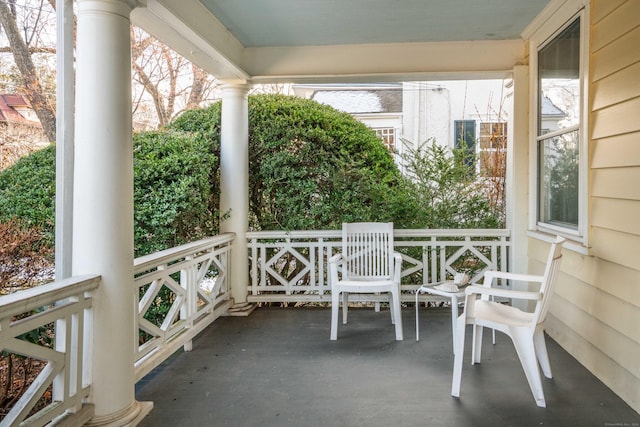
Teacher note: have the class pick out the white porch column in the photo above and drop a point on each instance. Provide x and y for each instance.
(234, 186)
(103, 205)
(517, 176)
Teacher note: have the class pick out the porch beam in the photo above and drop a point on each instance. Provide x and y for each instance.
(103, 205)
(384, 62)
(204, 41)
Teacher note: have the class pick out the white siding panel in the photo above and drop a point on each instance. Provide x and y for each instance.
(620, 248)
(616, 151)
(615, 24)
(621, 348)
(623, 381)
(619, 183)
(602, 8)
(616, 214)
(616, 55)
(621, 282)
(618, 119)
(615, 313)
(618, 87)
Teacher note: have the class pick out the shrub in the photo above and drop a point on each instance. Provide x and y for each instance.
(27, 191)
(172, 191)
(25, 256)
(448, 190)
(174, 201)
(311, 167)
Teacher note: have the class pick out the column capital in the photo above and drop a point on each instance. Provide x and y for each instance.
(118, 7)
(235, 87)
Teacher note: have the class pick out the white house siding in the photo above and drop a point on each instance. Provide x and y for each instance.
(595, 313)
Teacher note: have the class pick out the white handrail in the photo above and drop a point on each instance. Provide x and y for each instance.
(64, 302)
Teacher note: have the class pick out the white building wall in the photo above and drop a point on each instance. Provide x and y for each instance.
(430, 108)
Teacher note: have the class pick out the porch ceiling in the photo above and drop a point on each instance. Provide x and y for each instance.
(333, 40)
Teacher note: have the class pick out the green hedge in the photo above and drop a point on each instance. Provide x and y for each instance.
(172, 190)
(27, 191)
(311, 167)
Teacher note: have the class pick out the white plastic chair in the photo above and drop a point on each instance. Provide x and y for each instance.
(526, 329)
(368, 265)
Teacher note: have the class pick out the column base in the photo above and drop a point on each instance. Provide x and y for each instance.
(130, 417)
(242, 309)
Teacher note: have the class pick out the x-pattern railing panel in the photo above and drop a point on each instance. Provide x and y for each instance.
(429, 256)
(172, 304)
(64, 303)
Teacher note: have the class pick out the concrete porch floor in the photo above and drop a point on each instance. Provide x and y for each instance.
(278, 367)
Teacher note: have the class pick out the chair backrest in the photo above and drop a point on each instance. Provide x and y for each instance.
(547, 288)
(367, 250)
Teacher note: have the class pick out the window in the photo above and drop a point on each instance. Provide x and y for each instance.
(493, 149)
(559, 132)
(464, 133)
(388, 137)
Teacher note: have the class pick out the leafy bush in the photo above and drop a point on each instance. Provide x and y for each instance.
(173, 198)
(172, 191)
(448, 190)
(311, 167)
(27, 191)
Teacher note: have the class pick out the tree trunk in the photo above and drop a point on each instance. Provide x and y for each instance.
(31, 82)
(197, 88)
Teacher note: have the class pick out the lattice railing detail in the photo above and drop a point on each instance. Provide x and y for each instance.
(179, 292)
(292, 266)
(27, 330)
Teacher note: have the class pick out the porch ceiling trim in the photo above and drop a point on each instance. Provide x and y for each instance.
(384, 62)
(195, 33)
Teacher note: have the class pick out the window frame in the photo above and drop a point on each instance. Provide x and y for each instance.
(389, 136)
(559, 20)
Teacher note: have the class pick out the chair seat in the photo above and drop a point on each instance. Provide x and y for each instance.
(362, 286)
(500, 313)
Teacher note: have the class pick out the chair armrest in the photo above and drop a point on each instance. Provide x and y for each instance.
(490, 275)
(334, 261)
(335, 258)
(505, 293)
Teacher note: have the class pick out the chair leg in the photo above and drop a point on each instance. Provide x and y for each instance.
(476, 349)
(345, 307)
(541, 353)
(335, 305)
(396, 314)
(525, 348)
(458, 350)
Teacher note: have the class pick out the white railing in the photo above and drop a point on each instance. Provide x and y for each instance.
(292, 266)
(26, 330)
(178, 293)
